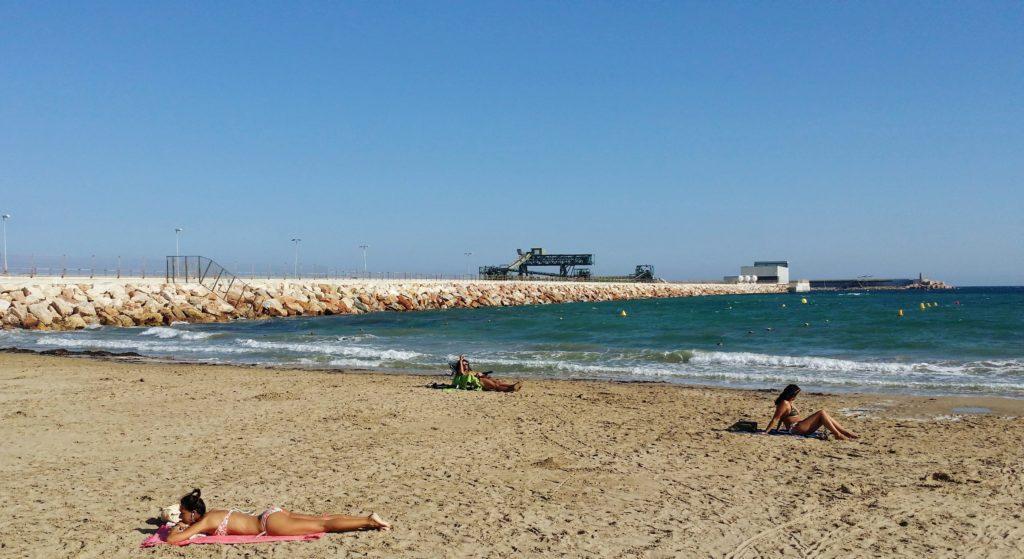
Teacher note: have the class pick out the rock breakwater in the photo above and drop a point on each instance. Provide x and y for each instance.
(70, 305)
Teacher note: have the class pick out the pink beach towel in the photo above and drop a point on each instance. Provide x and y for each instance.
(160, 538)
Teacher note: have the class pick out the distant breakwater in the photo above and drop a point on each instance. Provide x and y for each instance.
(73, 304)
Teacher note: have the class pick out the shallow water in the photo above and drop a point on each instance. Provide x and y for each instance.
(965, 341)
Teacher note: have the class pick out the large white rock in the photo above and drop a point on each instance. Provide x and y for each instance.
(42, 312)
(33, 294)
(140, 298)
(62, 307)
(273, 304)
(18, 311)
(4, 305)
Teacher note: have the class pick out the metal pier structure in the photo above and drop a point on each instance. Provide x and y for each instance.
(524, 267)
(534, 258)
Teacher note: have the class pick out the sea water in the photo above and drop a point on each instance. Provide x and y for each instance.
(963, 341)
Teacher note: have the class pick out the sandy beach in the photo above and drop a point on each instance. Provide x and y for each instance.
(93, 448)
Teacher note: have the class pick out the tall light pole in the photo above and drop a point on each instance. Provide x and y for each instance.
(296, 241)
(364, 247)
(5, 218)
(176, 231)
(468, 254)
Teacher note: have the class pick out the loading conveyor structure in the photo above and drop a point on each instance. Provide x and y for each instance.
(535, 257)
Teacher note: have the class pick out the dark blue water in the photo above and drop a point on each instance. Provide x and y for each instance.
(965, 341)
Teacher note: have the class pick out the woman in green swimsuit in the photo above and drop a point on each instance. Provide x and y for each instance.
(462, 368)
(787, 414)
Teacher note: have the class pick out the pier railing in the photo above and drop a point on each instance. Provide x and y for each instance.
(208, 273)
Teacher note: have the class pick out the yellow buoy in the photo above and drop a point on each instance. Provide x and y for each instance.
(783, 305)
(935, 304)
(803, 301)
(922, 306)
(900, 313)
(623, 313)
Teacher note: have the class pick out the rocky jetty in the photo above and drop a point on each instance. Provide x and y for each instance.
(928, 283)
(70, 305)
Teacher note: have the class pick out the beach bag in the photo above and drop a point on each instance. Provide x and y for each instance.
(744, 426)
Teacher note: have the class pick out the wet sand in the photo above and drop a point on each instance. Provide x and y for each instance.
(93, 448)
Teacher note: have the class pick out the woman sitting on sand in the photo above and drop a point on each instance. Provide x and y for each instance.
(787, 414)
(274, 521)
(462, 368)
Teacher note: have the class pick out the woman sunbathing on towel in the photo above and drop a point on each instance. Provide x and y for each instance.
(488, 383)
(275, 521)
(787, 414)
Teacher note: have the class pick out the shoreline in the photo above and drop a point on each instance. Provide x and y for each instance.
(585, 468)
(134, 357)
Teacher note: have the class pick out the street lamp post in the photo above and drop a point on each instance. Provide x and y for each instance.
(296, 241)
(5, 218)
(364, 247)
(176, 231)
(468, 254)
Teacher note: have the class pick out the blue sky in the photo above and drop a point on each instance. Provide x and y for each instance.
(863, 138)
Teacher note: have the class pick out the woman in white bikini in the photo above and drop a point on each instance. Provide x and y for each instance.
(275, 521)
(787, 414)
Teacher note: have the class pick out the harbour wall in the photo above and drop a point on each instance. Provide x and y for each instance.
(74, 303)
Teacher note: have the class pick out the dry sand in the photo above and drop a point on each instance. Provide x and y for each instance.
(93, 448)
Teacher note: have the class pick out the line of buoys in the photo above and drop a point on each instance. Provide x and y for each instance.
(923, 306)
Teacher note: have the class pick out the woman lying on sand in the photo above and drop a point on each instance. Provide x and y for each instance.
(462, 368)
(787, 414)
(273, 522)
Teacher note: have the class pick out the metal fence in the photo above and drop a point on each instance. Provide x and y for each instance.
(82, 268)
(148, 268)
(106, 267)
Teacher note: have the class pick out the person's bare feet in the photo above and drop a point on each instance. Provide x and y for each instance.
(379, 523)
(517, 386)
